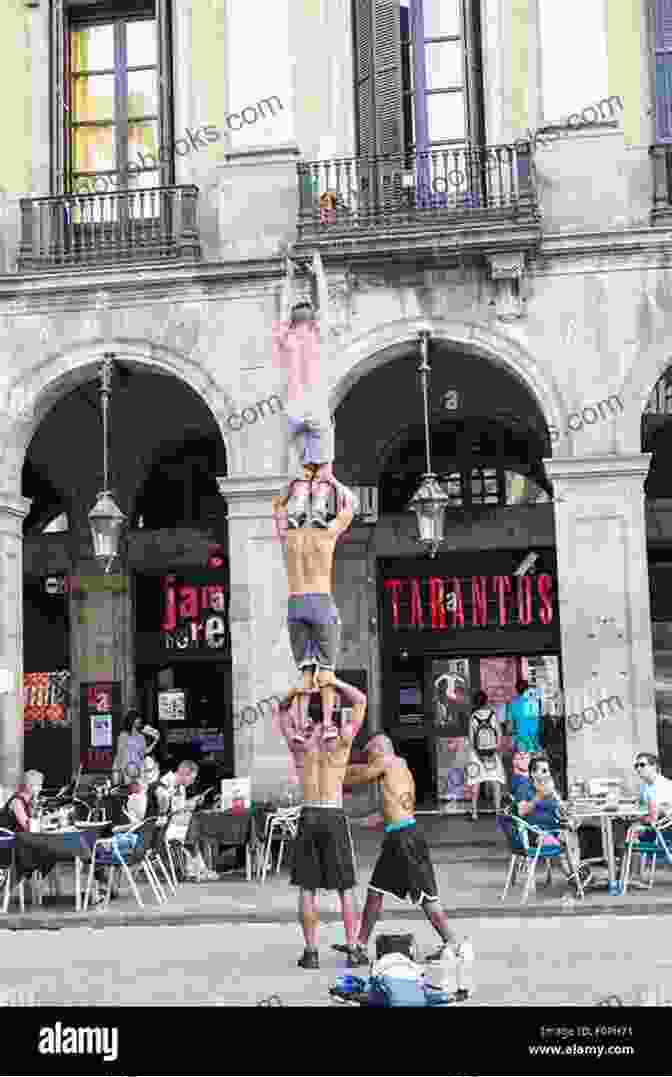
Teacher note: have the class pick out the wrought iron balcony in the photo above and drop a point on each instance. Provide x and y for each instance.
(435, 190)
(139, 225)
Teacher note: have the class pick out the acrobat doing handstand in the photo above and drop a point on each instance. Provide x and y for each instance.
(303, 521)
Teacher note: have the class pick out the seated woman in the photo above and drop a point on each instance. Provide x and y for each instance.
(539, 805)
(17, 813)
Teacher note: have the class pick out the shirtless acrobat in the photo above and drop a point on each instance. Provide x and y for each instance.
(312, 617)
(323, 853)
(404, 866)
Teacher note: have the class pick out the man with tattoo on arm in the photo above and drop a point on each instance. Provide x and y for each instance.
(323, 854)
(404, 866)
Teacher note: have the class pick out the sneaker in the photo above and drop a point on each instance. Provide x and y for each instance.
(438, 955)
(341, 947)
(297, 507)
(309, 959)
(357, 955)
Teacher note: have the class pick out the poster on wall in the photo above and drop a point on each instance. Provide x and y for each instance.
(101, 731)
(498, 679)
(543, 674)
(100, 724)
(46, 698)
(171, 705)
(450, 687)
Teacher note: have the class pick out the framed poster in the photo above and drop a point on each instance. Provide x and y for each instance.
(100, 724)
(498, 679)
(171, 705)
(101, 730)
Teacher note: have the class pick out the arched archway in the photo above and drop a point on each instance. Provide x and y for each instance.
(55, 435)
(488, 416)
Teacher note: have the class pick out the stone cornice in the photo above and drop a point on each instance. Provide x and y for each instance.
(598, 468)
(639, 247)
(241, 488)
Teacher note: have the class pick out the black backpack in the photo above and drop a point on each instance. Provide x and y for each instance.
(485, 741)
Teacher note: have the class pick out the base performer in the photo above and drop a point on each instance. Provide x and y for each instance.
(323, 854)
(404, 867)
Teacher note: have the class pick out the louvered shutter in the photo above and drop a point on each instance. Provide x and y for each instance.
(165, 87)
(60, 105)
(664, 70)
(366, 135)
(387, 77)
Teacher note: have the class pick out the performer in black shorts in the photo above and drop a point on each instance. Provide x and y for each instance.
(323, 852)
(404, 868)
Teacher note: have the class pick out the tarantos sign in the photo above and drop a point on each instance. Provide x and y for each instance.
(478, 601)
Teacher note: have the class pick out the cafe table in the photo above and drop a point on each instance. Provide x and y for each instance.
(35, 850)
(234, 829)
(584, 809)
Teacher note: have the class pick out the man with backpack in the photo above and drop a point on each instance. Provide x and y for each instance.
(485, 761)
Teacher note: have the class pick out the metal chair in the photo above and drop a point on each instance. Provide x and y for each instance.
(119, 854)
(282, 825)
(649, 847)
(526, 856)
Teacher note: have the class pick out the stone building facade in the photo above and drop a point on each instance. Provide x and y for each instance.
(542, 303)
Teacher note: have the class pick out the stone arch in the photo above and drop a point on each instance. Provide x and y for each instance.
(637, 386)
(383, 345)
(28, 400)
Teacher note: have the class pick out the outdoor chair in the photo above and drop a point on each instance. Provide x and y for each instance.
(525, 856)
(128, 851)
(157, 851)
(8, 874)
(282, 826)
(651, 846)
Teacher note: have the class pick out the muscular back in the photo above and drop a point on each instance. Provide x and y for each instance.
(310, 556)
(323, 767)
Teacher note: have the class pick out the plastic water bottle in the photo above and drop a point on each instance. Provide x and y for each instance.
(465, 968)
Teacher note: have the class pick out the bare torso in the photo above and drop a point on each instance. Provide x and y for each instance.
(398, 789)
(321, 767)
(310, 557)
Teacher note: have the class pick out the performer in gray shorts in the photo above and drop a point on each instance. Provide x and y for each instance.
(314, 630)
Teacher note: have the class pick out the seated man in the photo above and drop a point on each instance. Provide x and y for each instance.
(539, 805)
(171, 794)
(655, 797)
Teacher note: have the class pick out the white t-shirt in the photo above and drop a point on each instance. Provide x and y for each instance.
(660, 791)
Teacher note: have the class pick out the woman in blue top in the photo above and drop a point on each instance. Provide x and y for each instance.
(523, 713)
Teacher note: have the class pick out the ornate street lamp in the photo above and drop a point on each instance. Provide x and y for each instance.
(429, 502)
(106, 519)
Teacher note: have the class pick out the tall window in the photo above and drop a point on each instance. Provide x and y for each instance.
(663, 70)
(111, 67)
(418, 75)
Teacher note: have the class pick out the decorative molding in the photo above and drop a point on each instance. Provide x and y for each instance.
(598, 468)
(506, 270)
(239, 488)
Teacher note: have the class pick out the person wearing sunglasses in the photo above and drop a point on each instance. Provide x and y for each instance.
(539, 804)
(655, 794)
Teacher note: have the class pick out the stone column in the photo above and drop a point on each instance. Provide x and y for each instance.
(605, 613)
(101, 623)
(13, 510)
(261, 657)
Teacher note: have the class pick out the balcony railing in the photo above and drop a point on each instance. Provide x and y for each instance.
(415, 189)
(117, 227)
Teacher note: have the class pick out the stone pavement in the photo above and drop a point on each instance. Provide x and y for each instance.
(470, 862)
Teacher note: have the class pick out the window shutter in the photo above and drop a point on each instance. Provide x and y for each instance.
(165, 87)
(60, 110)
(664, 70)
(364, 78)
(387, 77)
